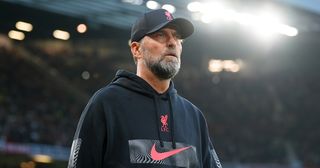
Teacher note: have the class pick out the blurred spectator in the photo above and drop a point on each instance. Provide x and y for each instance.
(253, 118)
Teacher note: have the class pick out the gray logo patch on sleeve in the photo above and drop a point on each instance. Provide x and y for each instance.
(74, 153)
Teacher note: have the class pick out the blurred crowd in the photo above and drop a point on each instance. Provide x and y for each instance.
(257, 118)
(31, 109)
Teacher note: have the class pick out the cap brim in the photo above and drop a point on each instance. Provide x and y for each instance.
(183, 26)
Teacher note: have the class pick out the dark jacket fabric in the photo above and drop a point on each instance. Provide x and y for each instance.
(127, 124)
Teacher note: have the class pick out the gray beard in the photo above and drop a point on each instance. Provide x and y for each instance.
(164, 69)
(159, 66)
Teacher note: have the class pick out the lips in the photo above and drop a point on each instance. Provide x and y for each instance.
(171, 54)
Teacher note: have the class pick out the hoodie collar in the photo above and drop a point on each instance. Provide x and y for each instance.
(135, 83)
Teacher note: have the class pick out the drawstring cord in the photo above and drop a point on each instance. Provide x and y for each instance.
(172, 123)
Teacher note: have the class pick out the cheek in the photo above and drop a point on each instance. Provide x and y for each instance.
(156, 50)
(147, 50)
(179, 48)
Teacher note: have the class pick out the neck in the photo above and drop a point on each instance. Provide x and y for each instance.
(160, 85)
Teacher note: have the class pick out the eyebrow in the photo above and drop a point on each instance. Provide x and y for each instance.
(175, 32)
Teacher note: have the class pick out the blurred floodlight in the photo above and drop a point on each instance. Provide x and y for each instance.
(213, 8)
(206, 18)
(196, 16)
(229, 15)
(213, 11)
(266, 25)
(60, 34)
(215, 66)
(271, 28)
(264, 34)
(194, 6)
(133, 2)
(287, 30)
(16, 35)
(264, 30)
(245, 18)
(269, 17)
(231, 66)
(81, 28)
(24, 26)
(85, 75)
(169, 8)
(235, 68)
(153, 5)
(42, 158)
(226, 65)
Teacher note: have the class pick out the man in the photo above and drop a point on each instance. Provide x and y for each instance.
(139, 120)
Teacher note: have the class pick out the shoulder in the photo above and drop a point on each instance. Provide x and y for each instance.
(108, 92)
(189, 105)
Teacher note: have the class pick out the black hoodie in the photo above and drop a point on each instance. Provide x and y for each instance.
(128, 124)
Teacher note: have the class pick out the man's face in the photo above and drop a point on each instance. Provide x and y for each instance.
(161, 52)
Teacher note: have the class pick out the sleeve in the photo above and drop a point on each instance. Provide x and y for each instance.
(211, 159)
(89, 143)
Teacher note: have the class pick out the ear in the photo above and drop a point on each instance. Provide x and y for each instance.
(135, 50)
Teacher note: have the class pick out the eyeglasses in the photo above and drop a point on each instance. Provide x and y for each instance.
(163, 36)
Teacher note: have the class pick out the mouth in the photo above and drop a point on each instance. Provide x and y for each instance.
(171, 54)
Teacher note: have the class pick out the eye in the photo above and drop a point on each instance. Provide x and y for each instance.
(159, 34)
(178, 36)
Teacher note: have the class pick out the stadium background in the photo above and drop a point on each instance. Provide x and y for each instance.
(259, 93)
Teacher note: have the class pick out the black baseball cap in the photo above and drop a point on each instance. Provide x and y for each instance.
(155, 20)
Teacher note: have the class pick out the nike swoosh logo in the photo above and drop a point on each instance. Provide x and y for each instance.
(155, 155)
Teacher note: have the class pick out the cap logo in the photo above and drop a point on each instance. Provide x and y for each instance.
(169, 16)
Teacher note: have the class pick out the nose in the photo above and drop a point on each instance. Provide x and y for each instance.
(172, 41)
